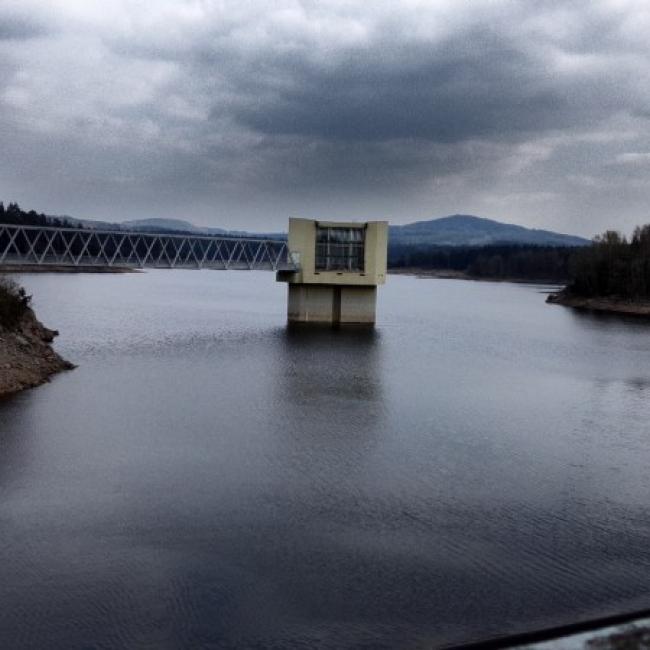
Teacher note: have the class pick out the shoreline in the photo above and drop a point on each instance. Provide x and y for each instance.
(27, 358)
(444, 274)
(54, 268)
(603, 305)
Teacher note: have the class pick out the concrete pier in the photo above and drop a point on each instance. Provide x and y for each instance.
(339, 266)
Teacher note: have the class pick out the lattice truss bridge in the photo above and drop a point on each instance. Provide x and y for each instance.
(77, 247)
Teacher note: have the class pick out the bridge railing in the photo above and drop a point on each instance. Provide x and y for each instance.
(76, 247)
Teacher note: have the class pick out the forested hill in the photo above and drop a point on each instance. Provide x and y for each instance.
(468, 230)
(483, 248)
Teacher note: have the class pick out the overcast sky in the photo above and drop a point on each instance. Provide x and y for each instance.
(239, 114)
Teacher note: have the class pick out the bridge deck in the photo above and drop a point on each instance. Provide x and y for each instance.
(76, 247)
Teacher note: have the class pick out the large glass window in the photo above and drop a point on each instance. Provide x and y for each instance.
(340, 249)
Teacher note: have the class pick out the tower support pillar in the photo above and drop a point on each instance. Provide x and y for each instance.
(335, 304)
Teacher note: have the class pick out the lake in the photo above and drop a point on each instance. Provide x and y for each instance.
(209, 478)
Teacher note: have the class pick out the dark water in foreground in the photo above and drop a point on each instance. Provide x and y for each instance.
(209, 479)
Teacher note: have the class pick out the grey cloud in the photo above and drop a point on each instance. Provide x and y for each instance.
(485, 80)
(20, 26)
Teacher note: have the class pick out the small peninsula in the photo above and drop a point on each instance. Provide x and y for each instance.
(26, 355)
(612, 275)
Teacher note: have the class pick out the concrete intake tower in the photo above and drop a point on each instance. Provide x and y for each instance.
(339, 266)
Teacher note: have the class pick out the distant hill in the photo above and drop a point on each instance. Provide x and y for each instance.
(455, 230)
(146, 225)
(168, 224)
(468, 230)
(459, 230)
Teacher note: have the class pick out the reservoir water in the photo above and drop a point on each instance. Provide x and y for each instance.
(208, 478)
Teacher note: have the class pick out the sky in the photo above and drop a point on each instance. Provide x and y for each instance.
(239, 114)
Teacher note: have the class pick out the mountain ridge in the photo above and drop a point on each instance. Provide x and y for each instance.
(448, 231)
(473, 231)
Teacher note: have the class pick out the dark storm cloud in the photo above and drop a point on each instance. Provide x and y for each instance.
(242, 111)
(447, 93)
(480, 80)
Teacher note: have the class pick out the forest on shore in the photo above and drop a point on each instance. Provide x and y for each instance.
(613, 267)
(495, 262)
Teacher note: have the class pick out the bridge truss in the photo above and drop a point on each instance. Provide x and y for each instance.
(76, 247)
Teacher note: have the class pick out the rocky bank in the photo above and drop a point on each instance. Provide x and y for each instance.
(26, 355)
(609, 304)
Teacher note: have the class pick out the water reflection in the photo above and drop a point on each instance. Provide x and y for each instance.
(602, 319)
(330, 388)
(352, 373)
(14, 440)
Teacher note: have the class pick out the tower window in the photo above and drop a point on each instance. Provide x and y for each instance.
(340, 249)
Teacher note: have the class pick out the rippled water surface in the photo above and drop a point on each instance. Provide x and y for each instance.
(208, 478)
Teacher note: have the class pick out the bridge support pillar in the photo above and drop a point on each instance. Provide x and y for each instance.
(339, 266)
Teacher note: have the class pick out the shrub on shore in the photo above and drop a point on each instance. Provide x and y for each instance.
(14, 302)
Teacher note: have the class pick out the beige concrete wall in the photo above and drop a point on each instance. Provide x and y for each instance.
(358, 304)
(310, 303)
(318, 303)
(302, 245)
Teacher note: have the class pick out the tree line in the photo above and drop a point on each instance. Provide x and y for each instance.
(500, 262)
(613, 266)
(12, 214)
